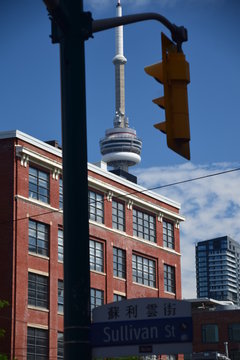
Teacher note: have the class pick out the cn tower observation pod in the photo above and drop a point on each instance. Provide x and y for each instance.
(121, 147)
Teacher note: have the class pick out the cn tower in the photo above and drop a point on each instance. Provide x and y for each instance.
(120, 148)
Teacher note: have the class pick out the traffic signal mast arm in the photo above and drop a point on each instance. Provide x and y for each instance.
(179, 33)
(86, 26)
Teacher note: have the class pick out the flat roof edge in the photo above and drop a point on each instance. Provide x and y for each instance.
(44, 146)
(30, 139)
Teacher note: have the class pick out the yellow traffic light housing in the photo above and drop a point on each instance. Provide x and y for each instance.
(173, 73)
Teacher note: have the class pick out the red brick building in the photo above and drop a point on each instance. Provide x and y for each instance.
(134, 244)
(216, 328)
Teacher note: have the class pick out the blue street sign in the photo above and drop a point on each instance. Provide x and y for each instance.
(142, 326)
(154, 331)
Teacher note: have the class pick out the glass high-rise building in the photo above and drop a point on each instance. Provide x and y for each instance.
(218, 269)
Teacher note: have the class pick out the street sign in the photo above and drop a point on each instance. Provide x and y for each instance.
(142, 326)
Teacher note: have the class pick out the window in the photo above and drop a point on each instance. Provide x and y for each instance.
(60, 244)
(60, 346)
(169, 278)
(144, 225)
(60, 296)
(234, 332)
(96, 298)
(168, 235)
(143, 270)
(38, 290)
(38, 185)
(118, 215)
(38, 238)
(60, 193)
(95, 206)
(119, 263)
(117, 297)
(37, 344)
(210, 333)
(96, 255)
(201, 247)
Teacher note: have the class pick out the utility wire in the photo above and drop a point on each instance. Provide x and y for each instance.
(133, 192)
(194, 179)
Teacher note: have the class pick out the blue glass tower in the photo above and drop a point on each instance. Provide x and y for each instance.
(218, 269)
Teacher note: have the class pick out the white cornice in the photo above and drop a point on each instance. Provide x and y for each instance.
(125, 195)
(134, 187)
(97, 170)
(37, 157)
(31, 140)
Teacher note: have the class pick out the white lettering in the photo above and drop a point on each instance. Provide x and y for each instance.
(145, 333)
(153, 332)
(105, 330)
(170, 331)
(127, 333)
(137, 333)
(115, 335)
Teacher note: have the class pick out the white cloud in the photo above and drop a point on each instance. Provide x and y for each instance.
(211, 206)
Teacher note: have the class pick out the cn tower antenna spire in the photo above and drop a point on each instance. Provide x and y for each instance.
(119, 62)
(120, 148)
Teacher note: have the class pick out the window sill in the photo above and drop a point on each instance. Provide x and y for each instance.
(122, 232)
(119, 278)
(39, 203)
(146, 286)
(38, 308)
(38, 255)
(98, 272)
(169, 292)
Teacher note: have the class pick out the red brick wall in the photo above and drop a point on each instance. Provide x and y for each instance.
(16, 261)
(221, 318)
(25, 315)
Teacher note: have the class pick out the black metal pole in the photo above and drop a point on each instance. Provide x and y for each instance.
(71, 26)
(75, 189)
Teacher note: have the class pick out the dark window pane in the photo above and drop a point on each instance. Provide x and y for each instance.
(60, 296)
(95, 206)
(146, 228)
(96, 255)
(38, 290)
(168, 235)
(169, 278)
(96, 297)
(210, 333)
(38, 185)
(144, 271)
(118, 215)
(119, 263)
(38, 238)
(37, 344)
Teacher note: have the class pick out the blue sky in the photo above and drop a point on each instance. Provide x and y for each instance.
(30, 100)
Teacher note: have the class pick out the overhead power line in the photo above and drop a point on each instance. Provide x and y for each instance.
(194, 179)
(135, 192)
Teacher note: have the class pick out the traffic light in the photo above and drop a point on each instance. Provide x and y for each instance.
(173, 73)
